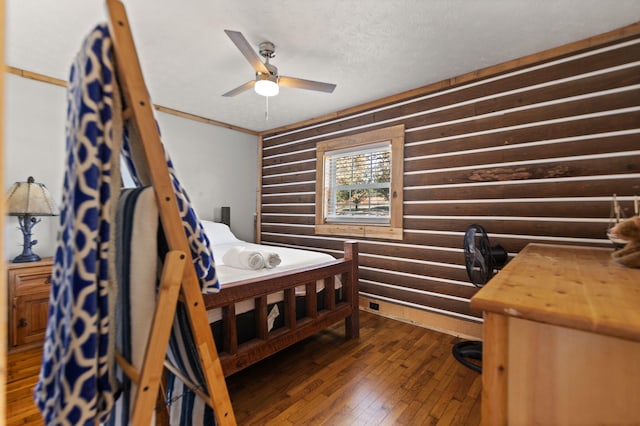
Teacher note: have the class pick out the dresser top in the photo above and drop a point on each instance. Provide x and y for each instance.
(570, 286)
(45, 261)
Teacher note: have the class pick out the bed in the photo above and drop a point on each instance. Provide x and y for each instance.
(260, 312)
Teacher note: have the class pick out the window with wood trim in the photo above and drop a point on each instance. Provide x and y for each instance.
(359, 184)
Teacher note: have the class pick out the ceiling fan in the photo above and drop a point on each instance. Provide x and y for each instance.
(267, 81)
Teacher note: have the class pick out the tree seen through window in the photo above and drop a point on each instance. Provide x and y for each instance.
(362, 182)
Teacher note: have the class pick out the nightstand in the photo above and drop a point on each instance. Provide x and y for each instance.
(29, 285)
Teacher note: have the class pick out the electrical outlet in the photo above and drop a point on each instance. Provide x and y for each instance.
(374, 306)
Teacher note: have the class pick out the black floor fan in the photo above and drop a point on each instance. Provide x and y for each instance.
(481, 261)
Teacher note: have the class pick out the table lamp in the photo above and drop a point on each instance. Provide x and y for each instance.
(27, 200)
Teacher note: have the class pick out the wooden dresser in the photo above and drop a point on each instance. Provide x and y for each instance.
(29, 285)
(561, 339)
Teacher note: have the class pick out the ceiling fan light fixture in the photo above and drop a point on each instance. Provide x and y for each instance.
(266, 86)
(267, 82)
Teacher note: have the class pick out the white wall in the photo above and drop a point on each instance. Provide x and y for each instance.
(34, 146)
(217, 166)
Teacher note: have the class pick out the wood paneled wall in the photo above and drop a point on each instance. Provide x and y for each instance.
(532, 150)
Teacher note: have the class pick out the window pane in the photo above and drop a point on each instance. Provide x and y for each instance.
(360, 182)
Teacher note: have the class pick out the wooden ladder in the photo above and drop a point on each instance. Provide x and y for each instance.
(178, 278)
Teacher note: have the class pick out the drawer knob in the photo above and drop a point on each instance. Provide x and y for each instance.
(22, 322)
(47, 280)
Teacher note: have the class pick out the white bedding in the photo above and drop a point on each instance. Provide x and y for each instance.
(291, 259)
(222, 239)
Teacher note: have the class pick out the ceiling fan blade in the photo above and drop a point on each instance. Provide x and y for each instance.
(299, 83)
(245, 48)
(248, 85)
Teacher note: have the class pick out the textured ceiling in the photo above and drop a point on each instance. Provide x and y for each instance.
(370, 49)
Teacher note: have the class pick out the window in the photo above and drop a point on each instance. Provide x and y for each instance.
(359, 184)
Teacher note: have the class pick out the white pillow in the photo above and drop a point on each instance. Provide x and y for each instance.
(218, 233)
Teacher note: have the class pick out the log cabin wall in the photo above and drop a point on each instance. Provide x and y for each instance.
(532, 150)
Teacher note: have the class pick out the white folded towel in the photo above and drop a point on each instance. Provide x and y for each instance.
(271, 259)
(239, 257)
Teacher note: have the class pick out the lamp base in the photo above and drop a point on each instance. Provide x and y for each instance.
(27, 222)
(23, 258)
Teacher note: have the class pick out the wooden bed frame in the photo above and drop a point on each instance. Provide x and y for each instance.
(234, 357)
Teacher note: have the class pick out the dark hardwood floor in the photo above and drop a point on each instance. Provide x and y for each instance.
(394, 374)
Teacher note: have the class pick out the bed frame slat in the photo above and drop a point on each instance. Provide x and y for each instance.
(311, 300)
(262, 320)
(230, 329)
(290, 308)
(330, 292)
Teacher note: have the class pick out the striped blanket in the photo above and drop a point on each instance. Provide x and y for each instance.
(137, 264)
(136, 232)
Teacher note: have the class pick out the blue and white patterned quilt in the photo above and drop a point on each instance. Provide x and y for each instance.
(75, 387)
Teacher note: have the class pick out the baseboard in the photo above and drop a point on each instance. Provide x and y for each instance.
(442, 323)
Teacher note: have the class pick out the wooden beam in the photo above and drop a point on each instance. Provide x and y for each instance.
(135, 92)
(36, 76)
(62, 83)
(258, 221)
(201, 119)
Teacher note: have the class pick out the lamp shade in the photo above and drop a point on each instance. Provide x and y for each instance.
(30, 198)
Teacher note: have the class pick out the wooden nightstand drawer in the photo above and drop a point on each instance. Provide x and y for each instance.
(29, 285)
(31, 280)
